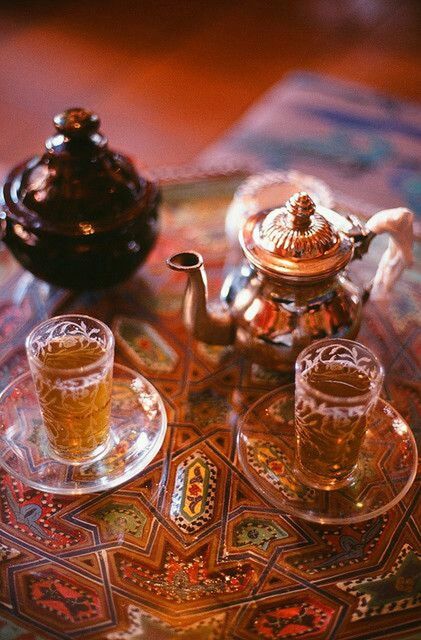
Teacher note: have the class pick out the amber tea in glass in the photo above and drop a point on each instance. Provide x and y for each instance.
(337, 383)
(71, 360)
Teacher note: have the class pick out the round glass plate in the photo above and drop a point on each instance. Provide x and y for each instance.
(137, 430)
(385, 471)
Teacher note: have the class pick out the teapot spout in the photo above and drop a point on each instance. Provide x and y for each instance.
(204, 324)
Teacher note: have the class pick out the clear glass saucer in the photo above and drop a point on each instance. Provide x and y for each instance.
(386, 469)
(138, 426)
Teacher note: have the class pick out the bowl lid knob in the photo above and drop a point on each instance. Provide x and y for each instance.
(76, 122)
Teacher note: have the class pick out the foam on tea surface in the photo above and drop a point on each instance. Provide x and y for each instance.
(71, 352)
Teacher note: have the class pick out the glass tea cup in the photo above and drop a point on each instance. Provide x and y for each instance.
(337, 384)
(71, 360)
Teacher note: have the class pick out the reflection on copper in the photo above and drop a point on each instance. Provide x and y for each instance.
(86, 228)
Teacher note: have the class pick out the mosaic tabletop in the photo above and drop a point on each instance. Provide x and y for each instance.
(189, 549)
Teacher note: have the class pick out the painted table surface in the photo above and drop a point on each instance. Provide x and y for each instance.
(189, 549)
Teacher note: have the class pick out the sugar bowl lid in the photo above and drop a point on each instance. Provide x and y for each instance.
(78, 186)
(295, 241)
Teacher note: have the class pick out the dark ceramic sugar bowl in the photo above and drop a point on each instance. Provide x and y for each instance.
(79, 216)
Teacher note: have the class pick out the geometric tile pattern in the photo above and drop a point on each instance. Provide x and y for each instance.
(120, 518)
(184, 580)
(398, 589)
(257, 532)
(207, 407)
(338, 547)
(35, 515)
(144, 626)
(291, 619)
(62, 597)
(270, 463)
(65, 600)
(144, 346)
(189, 549)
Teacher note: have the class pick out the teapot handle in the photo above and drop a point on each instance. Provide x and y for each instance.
(398, 223)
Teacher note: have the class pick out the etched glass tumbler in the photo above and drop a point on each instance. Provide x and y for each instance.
(71, 360)
(337, 383)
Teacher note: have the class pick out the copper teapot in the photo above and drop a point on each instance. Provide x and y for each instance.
(79, 215)
(293, 287)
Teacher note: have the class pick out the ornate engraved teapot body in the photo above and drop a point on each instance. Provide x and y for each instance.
(293, 288)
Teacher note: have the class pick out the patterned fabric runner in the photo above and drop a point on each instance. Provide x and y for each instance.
(366, 145)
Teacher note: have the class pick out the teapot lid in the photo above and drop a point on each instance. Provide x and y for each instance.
(79, 185)
(295, 241)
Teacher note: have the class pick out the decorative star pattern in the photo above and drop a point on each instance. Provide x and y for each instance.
(184, 580)
(191, 557)
(257, 532)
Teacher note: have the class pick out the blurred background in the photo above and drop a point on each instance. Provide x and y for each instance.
(168, 77)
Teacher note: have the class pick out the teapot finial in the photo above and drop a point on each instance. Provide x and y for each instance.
(295, 241)
(300, 208)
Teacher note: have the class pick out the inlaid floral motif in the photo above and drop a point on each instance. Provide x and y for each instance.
(193, 498)
(144, 346)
